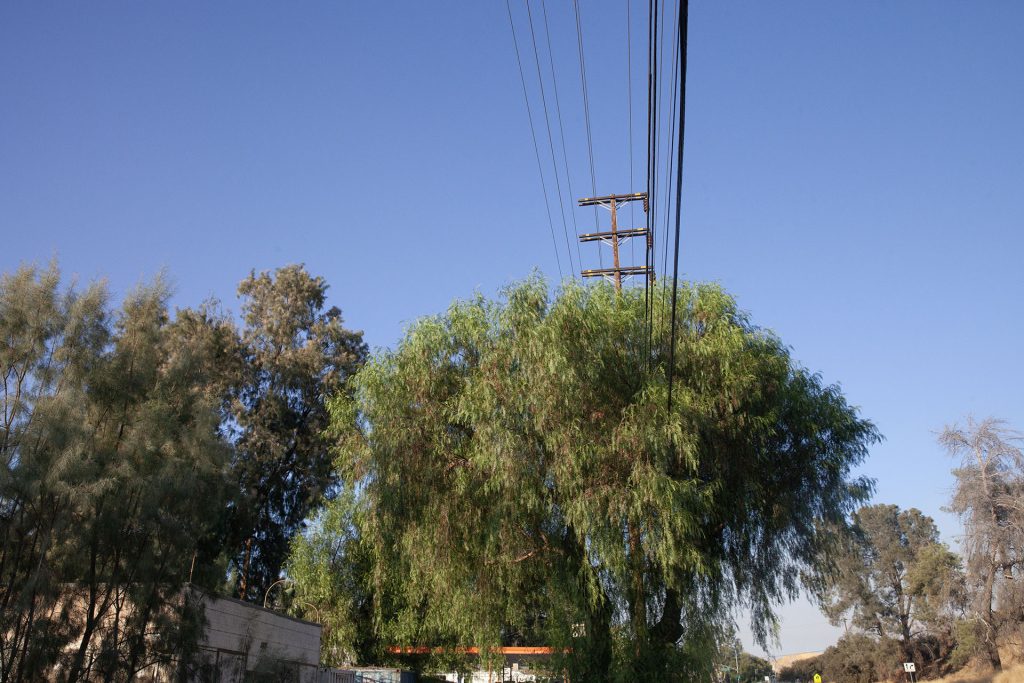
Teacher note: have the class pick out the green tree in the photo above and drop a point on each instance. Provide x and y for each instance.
(861, 658)
(897, 580)
(525, 482)
(737, 665)
(803, 670)
(112, 470)
(753, 669)
(988, 498)
(293, 352)
(329, 569)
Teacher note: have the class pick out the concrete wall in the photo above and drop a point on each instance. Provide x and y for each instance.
(238, 634)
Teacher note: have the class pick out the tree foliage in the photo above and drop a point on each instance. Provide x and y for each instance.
(989, 498)
(753, 669)
(328, 568)
(112, 472)
(292, 352)
(733, 664)
(857, 657)
(897, 581)
(525, 482)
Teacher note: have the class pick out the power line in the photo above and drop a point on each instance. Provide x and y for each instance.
(586, 109)
(668, 205)
(561, 129)
(629, 99)
(533, 135)
(684, 11)
(551, 143)
(659, 114)
(652, 118)
(668, 141)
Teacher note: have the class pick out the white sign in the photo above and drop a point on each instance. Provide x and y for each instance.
(909, 667)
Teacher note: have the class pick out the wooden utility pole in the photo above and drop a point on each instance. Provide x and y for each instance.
(615, 246)
(614, 237)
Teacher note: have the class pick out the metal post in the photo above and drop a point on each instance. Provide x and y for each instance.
(267, 594)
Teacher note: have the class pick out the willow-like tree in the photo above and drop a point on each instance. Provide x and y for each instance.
(525, 482)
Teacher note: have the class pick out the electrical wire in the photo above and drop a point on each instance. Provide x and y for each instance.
(668, 141)
(652, 119)
(629, 100)
(586, 112)
(684, 11)
(533, 134)
(561, 129)
(658, 145)
(551, 143)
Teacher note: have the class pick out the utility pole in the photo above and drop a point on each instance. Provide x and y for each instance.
(614, 238)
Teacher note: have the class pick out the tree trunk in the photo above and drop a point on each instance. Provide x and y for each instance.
(993, 655)
(78, 661)
(908, 646)
(593, 656)
(243, 581)
(991, 645)
(670, 628)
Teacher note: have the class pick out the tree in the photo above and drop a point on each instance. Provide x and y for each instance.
(293, 354)
(113, 469)
(989, 498)
(862, 658)
(329, 568)
(803, 670)
(525, 480)
(737, 665)
(753, 669)
(896, 579)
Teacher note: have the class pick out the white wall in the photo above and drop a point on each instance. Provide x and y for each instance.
(235, 626)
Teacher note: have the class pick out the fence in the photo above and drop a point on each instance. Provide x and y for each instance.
(366, 675)
(223, 666)
(337, 676)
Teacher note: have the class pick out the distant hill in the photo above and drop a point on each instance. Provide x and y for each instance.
(781, 662)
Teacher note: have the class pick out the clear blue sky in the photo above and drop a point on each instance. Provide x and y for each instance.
(854, 174)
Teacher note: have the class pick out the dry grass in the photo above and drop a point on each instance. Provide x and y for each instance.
(1013, 674)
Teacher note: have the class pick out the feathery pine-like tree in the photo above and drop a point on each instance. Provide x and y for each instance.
(292, 354)
(112, 470)
(898, 581)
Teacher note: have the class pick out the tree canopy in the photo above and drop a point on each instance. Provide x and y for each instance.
(523, 480)
(733, 664)
(112, 477)
(989, 498)
(898, 582)
(143, 450)
(290, 354)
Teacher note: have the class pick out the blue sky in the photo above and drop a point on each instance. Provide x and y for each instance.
(854, 174)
